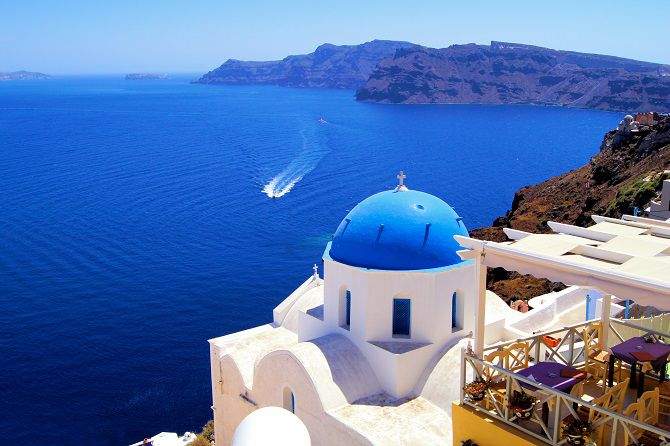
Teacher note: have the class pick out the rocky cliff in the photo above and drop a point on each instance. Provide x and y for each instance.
(627, 172)
(507, 73)
(330, 66)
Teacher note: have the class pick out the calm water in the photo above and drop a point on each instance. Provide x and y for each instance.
(135, 224)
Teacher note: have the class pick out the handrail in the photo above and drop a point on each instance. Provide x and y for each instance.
(539, 334)
(625, 323)
(564, 352)
(560, 397)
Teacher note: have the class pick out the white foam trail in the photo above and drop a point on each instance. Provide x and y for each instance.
(272, 191)
(306, 161)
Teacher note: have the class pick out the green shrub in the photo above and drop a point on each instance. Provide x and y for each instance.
(636, 194)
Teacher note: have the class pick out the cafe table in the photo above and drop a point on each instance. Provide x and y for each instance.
(635, 351)
(558, 376)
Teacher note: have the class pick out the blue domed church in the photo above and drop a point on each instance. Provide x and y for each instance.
(382, 328)
(394, 284)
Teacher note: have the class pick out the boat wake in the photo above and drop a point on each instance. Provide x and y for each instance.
(280, 186)
(311, 152)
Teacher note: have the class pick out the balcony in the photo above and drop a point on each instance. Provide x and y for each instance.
(585, 376)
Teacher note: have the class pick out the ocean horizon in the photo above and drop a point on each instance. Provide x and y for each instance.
(141, 218)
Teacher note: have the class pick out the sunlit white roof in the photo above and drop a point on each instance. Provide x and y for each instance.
(629, 258)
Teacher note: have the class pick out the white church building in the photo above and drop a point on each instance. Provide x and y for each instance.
(372, 353)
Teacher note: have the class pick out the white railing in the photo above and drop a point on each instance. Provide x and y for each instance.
(569, 351)
(622, 429)
(625, 329)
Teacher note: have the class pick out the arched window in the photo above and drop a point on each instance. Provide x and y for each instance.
(289, 400)
(456, 312)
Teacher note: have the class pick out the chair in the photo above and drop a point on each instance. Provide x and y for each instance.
(645, 410)
(513, 358)
(612, 399)
(580, 391)
(664, 401)
(518, 355)
(595, 356)
(497, 386)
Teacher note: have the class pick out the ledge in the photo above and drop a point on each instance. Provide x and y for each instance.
(399, 347)
(316, 312)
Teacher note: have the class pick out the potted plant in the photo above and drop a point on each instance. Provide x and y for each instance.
(521, 404)
(476, 389)
(577, 431)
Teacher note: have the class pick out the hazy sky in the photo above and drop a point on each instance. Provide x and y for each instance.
(118, 36)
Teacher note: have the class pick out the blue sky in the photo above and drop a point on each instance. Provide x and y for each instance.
(77, 36)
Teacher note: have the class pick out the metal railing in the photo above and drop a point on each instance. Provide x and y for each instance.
(622, 429)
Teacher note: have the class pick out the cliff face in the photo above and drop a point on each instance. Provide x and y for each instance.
(505, 73)
(627, 172)
(330, 66)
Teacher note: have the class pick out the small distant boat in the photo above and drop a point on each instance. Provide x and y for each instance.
(322, 121)
(167, 439)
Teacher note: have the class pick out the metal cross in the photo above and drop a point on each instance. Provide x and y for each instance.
(316, 271)
(401, 178)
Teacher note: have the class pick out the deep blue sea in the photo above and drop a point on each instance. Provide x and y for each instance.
(135, 223)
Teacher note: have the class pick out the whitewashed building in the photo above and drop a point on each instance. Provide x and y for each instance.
(373, 352)
(366, 342)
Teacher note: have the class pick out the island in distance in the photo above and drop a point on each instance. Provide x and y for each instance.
(145, 76)
(511, 73)
(329, 66)
(23, 76)
(499, 73)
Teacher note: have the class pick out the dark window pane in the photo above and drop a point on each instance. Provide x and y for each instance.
(347, 308)
(454, 311)
(401, 317)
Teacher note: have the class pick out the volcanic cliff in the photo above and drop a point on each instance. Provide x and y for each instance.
(510, 73)
(627, 172)
(330, 66)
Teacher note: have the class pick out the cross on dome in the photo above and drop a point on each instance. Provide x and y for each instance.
(316, 272)
(401, 181)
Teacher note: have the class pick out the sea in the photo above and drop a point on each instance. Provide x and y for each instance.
(138, 219)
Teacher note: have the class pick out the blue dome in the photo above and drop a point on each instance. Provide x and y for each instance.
(399, 230)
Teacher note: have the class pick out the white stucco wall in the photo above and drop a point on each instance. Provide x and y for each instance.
(372, 294)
